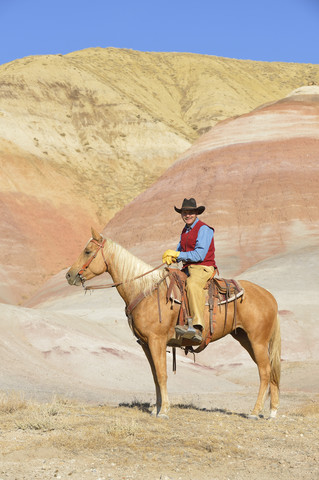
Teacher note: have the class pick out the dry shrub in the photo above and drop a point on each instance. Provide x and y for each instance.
(308, 410)
(11, 402)
(95, 429)
(35, 422)
(28, 415)
(122, 429)
(96, 437)
(39, 417)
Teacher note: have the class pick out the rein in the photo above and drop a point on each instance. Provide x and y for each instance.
(137, 300)
(110, 285)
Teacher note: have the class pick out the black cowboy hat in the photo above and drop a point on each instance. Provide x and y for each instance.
(190, 204)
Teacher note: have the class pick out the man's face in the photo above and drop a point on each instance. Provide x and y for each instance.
(188, 217)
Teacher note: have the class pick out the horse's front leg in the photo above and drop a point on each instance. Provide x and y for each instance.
(157, 347)
(157, 387)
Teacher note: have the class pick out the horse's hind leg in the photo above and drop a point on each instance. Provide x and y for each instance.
(259, 354)
(275, 358)
(241, 337)
(263, 364)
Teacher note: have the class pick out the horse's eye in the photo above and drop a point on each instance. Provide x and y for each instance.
(87, 252)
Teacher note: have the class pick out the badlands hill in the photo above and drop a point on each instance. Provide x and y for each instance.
(258, 177)
(83, 134)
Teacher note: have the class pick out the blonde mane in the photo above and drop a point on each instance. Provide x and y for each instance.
(128, 266)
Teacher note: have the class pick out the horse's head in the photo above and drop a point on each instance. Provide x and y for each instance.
(90, 263)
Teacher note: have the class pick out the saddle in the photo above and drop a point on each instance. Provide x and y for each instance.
(220, 291)
(227, 290)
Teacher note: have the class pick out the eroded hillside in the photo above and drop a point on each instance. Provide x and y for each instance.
(113, 120)
(256, 174)
(83, 134)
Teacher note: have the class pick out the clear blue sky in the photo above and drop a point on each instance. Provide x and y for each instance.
(266, 30)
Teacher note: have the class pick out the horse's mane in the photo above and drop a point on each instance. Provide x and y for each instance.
(129, 266)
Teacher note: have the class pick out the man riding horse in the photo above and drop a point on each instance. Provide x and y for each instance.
(196, 250)
(256, 327)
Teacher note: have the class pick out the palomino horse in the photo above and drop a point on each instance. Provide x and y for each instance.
(257, 322)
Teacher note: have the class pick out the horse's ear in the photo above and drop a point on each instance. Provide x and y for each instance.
(96, 235)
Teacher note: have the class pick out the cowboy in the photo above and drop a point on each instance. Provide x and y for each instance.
(196, 250)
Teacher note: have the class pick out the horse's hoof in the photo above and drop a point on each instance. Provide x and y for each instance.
(162, 415)
(273, 413)
(253, 417)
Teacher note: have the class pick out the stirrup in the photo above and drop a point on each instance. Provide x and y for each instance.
(188, 332)
(185, 332)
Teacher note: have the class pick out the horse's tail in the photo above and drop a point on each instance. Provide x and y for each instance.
(275, 354)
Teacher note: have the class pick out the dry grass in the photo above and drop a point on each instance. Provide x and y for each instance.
(308, 410)
(120, 439)
(11, 402)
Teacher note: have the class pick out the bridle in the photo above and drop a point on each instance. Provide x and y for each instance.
(85, 266)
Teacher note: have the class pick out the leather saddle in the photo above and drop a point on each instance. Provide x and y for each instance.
(220, 291)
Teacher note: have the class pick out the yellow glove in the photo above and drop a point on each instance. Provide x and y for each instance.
(170, 256)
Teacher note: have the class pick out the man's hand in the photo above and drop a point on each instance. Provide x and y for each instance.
(170, 256)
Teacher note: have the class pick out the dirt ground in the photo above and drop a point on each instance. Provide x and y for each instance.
(64, 439)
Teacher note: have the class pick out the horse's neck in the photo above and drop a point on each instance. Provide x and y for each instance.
(124, 268)
(122, 287)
